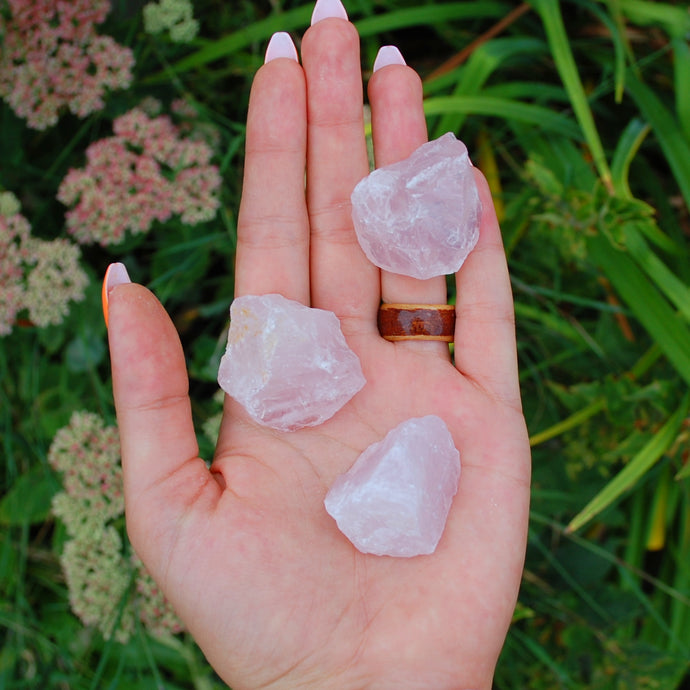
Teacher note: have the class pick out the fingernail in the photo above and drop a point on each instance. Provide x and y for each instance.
(115, 275)
(388, 55)
(281, 46)
(328, 8)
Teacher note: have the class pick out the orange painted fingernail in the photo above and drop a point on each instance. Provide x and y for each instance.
(115, 275)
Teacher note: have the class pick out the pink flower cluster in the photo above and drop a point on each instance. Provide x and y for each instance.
(154, 610)
(148, 171)
(37, 276)
(87, 453)
(14, 232)
(52, 59)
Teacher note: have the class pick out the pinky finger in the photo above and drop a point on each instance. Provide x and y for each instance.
(485, 347)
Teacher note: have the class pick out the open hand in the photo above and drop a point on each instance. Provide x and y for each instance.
(274, 594)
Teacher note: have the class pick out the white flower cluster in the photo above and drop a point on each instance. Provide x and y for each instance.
(174, 16)
(38, 276)
(108, 588)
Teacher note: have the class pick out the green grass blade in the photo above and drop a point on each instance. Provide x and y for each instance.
(615, 23)
(658, 237)
(674, 18)
(557, 323)
(572, 582)
(480, 66)
(628, 146)
(299, 19)
(675, 146)
(653, 614)
(673, 287)
(430, 15)
(646, 303)
(574, 420)
(613, 559)
(227, 45)
(542, 656)
(680, 615)
(483, 62)
(503, 108)
(550, 13)
(638, 466)
(681, 73)
(530, 91)
(684, 473)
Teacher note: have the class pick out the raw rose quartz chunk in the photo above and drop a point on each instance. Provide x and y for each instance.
(287, 364)
(395, 499)
(420, 216)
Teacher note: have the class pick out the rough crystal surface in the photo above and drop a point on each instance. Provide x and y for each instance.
(395, 499)
(420, 216)
(287, 364)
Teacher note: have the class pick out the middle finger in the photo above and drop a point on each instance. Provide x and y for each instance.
(399, 127)
(342, 278)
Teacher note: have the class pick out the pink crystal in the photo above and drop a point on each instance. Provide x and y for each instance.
(420, 216)
(287, 364)
(395, 499)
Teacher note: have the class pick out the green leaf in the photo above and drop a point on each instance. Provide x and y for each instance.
(540, 653)
(480, 65)
(677, 292)
(674, 18)
(29, 499)
(556, 323)
(676, 148)
(666, 327)
(615, 23)
(536, 115)
(628, 146)
(227, 45)
(85, 352)
(299, 18)
(571, 422)
(683, 473)
(430, 15)
(681, 72)
(551, 17)
(635, 469)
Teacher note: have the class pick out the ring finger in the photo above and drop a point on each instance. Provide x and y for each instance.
(399, 127)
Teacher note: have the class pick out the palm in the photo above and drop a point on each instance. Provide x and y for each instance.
(271, 590)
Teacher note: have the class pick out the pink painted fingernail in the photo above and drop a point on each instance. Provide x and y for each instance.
(281, 46)
(115, 275)
(388, 55)
(325, 9)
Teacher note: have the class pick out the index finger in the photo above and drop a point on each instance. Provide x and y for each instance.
(272, 228)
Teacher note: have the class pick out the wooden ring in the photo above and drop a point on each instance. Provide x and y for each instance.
(417, 322)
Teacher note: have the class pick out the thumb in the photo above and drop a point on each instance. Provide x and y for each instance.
(163, 474)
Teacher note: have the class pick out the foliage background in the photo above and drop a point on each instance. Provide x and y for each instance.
(579, 114)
